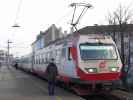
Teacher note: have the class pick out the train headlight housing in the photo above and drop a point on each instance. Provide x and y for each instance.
(113, 69)
(91, 70)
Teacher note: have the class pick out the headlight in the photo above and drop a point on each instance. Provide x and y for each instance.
(114, 69)
(91, 70)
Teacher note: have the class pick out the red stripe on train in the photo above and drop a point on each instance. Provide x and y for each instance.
(73, 51)
(98, 76)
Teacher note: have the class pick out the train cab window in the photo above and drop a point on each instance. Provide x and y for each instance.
(96, 51)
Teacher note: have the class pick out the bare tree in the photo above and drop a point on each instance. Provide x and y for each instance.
(111, 21)
(121, 17)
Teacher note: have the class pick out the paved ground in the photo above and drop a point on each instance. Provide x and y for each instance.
(17, 85)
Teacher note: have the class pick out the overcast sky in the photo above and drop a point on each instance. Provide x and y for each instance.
(36, 15)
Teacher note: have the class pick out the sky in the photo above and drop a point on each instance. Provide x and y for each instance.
(37, 15)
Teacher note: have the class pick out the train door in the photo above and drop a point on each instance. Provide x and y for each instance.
(67, 62)
(63, 61)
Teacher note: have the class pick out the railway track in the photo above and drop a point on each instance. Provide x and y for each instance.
(123, 95)
(114, 95)
(101, 97)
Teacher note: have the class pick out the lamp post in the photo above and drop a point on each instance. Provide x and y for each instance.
(8, 52)
(16, 25)
(17, 13)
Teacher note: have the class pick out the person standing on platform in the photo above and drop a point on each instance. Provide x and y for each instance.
(0, 64)
(52, 73)
(16, 65)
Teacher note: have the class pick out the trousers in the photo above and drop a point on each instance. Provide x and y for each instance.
(51, 87)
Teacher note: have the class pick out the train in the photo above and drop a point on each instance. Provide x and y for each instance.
(82, 60)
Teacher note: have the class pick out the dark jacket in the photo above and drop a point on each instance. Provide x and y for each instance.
(51, 72)
(16, 65)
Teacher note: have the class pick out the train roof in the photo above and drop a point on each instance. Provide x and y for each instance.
(89, 36)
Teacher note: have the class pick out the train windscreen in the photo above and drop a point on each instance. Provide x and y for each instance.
(97, 52)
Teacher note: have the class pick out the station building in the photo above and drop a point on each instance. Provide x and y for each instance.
(45, 38)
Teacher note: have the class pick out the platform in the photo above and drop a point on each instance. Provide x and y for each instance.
(17, 85)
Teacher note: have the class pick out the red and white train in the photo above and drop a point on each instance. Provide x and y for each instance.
(81, 59)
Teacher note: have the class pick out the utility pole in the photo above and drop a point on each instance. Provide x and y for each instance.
(8, 52)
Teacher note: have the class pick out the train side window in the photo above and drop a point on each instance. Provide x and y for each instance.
(69, 54)
(42, 59)
(48, 56)
(57, 58)
(63, 53)
(56, 55)
(35, 60)
(38, 60)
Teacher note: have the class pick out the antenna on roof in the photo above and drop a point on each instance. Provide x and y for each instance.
(85, 8)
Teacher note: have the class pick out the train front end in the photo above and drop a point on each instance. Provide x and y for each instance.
(98, 59)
